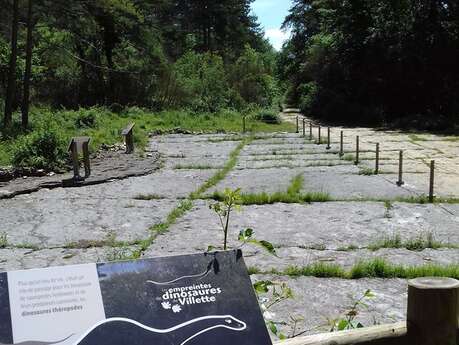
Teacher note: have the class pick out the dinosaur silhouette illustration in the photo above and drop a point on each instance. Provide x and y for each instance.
(129, 332)
(213, 264)
(41, 342)
(126, 331)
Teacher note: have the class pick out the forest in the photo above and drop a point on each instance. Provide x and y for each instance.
(376, 62)
(362, 62)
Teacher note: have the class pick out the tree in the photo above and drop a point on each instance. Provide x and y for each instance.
(28, 70)
(10, 94)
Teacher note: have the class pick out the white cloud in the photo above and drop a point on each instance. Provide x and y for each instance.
(277, 37)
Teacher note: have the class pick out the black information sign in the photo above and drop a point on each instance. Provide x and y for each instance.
(204, 299)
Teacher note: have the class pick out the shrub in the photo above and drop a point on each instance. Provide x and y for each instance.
(86, 119)
(268, 116)
(42, 149)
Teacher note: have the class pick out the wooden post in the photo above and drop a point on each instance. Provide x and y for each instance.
(320, 135)
(433, 308)
(328, 139)
(357, 150)
(377, 160)
(75, 160)
(341, 145)
(400, 170)
(243, 124)
(130, 142)
(432, 182)
(310, 131)
(297, 125)
(304, 127)
(87, 163)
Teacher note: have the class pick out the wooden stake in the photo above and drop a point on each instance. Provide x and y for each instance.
(400, 170)
(304, 128)
(297, 125)
(328, 139)
(341, 145)
(75, 160)
(377, 160)
(320, 135)
(432, 182)
(357, 150)
(433, 308)
(243, 124)
(310, 131)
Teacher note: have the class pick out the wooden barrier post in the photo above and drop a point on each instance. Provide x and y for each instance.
(87, 162)
(304, 127)
(357, 150)
(310, 131)
(243, 124)
(320, 135)
(328, 139)
(75, 160)
(433, 308)
(377, 160)
(297, 125)
(432, 181)
(400, 170)
(128, 134)
(341, 145)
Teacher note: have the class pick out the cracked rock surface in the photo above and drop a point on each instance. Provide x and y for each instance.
(109, 221)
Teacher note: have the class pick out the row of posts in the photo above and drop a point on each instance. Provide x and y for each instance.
(400, 181)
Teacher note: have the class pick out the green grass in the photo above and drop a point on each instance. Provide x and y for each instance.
(194, 167)
(278, 197)
(221, 174)
(375, 268)
(293, 195)
(349, 157)
(109, 125)
(416, 138)
(366, 171)
(419, 243)
(176, 213)
(147, 197)
(379, 268)
(3, 240)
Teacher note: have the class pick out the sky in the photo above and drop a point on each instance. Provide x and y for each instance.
(271, 14)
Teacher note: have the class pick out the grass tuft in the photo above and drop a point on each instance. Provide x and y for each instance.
(146, 197)
(375, 268)
(221, 174)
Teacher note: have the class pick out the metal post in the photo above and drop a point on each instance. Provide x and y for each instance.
(357, 150)
(341, 145)
(400, 170)
(297, 125)
(377, 159)
(432, 181)
(310, 131)
(304, 127)
(328, 139)
(320, 135)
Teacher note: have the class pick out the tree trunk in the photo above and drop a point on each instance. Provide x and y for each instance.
(28, 70)
(10, 93)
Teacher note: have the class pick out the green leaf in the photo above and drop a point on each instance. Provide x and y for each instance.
(245, 235)
(266, 245)
(262, 286)
(272, 327)
(342, 325)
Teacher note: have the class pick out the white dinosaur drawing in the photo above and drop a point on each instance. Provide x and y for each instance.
(221, 321)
